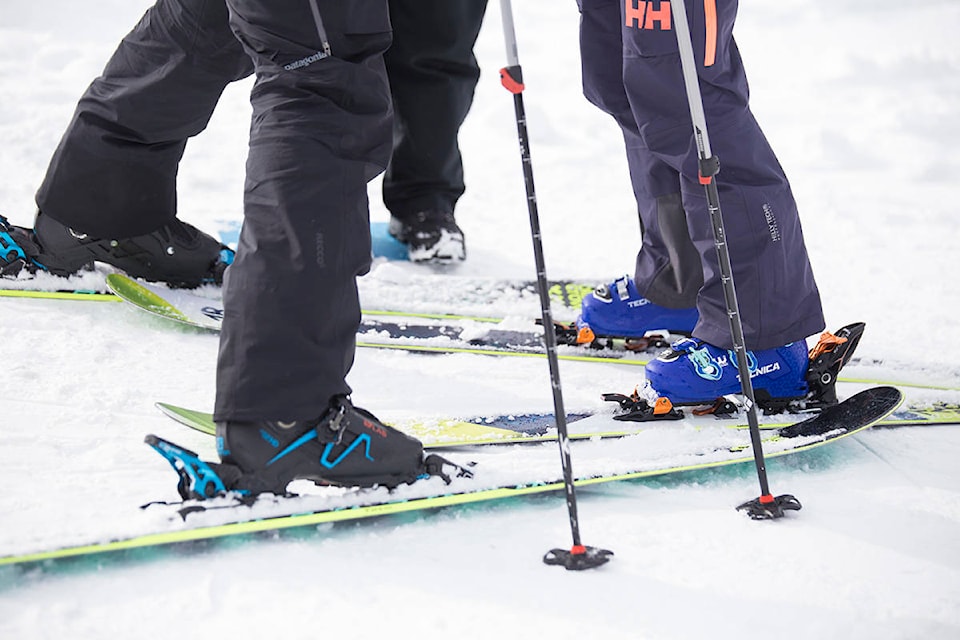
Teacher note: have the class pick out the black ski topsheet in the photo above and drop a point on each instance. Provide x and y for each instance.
(863, 409)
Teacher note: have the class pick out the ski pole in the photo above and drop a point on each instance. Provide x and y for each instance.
(766, 506)
(511, 76)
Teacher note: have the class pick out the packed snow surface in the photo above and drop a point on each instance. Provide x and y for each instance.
(858, 98)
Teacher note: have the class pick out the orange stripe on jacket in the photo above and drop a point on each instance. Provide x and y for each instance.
(710, 13)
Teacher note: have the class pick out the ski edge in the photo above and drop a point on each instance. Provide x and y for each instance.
(90, 296)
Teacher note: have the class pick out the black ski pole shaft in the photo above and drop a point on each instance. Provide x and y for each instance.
(578, 556)
(766, 506)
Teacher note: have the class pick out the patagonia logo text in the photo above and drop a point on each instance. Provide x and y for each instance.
(647, 15)
(303, 62)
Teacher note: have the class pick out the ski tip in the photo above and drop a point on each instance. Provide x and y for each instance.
(170, 410)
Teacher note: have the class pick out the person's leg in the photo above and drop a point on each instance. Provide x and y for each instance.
(433, 73)
(114, 172)
(320, 131)
(668, 270)
(109, 194)
(778, 297)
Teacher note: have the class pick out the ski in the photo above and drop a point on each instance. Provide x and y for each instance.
(203, 307)
(379, 329)
(427, 333)
(429, 296)
(441, 433)
(414, 331)
(540, 427)
(504, 476)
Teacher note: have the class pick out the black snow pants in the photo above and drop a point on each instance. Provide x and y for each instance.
(321, 129)
(433, 73)
(114, 173)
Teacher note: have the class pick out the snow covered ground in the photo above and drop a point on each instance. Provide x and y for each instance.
(859, 99)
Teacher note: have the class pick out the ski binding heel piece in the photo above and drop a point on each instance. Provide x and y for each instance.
(831, 353)
(198, 480)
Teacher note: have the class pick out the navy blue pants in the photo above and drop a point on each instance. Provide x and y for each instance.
(631, 70)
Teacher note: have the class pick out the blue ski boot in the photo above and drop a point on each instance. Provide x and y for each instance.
(694, 372)
(618, 311)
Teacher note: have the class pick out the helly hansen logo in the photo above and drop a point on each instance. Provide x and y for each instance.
(647, 15)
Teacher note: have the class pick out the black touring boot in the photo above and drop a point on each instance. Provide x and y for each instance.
(346, 446)
(430, 236)
(178, 254)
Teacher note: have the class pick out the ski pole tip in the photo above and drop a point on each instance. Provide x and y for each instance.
(578, 557)
(767, 507)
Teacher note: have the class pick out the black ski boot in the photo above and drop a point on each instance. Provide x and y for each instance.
(430, 236)
(178, 254)
(346, 446)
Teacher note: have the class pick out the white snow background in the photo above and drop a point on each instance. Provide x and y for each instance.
(859, 99)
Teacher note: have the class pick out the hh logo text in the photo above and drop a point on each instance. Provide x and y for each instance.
(647, 15)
